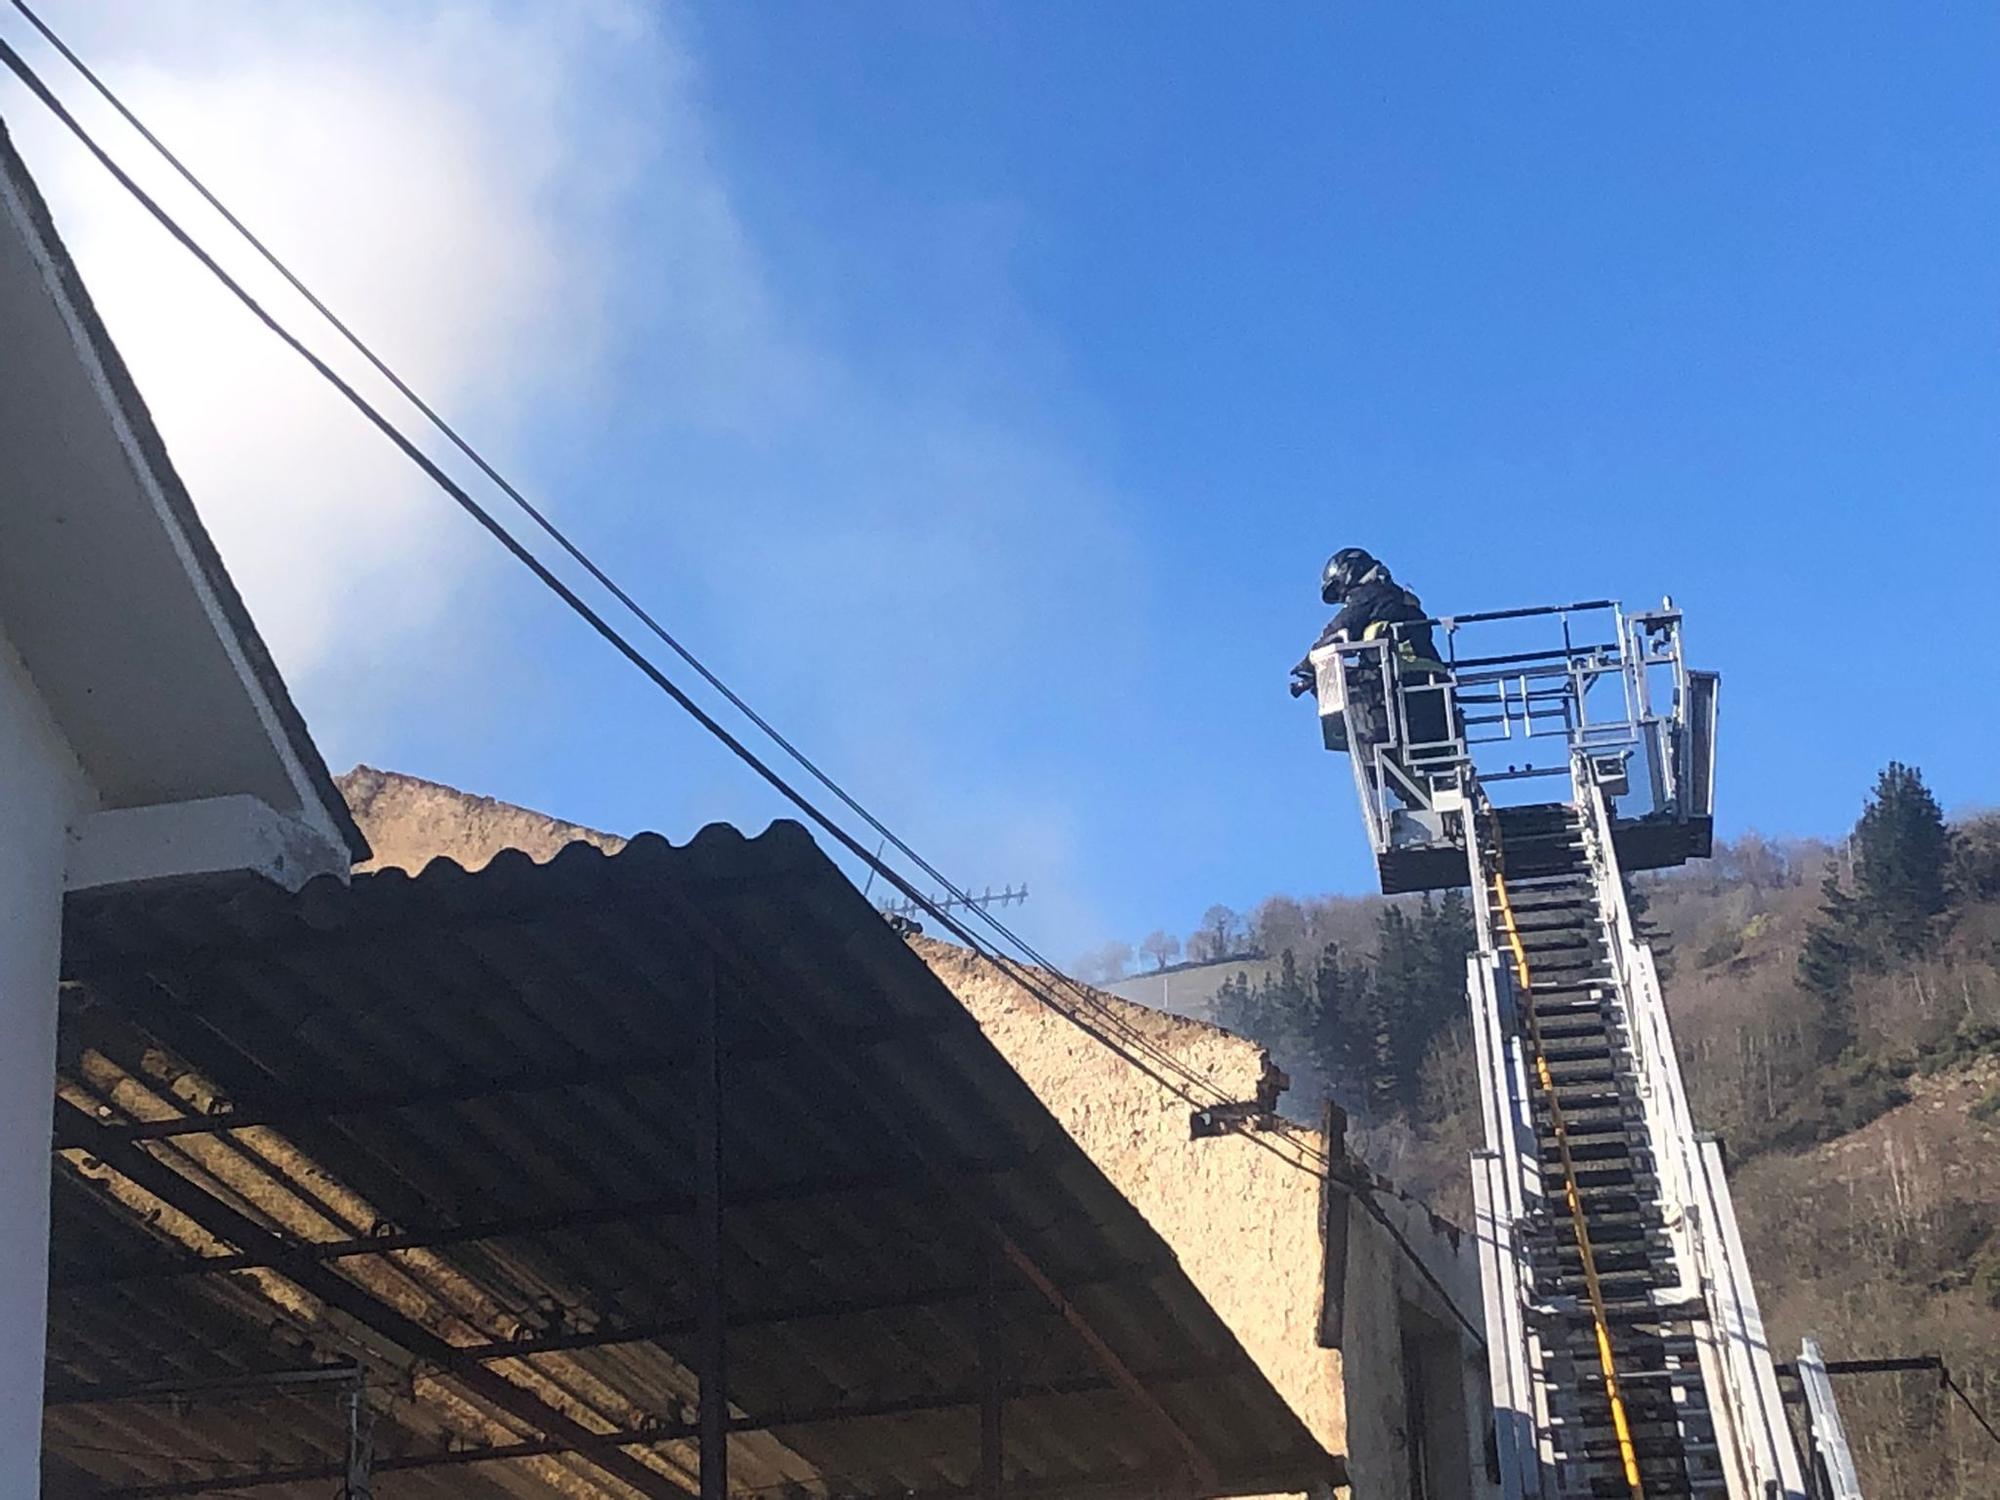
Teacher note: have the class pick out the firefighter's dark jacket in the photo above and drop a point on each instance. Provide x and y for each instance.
(1383, 602)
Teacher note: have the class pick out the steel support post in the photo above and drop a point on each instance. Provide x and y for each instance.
(992, 1378)
(714, 1353)
(979, 1209)
(360, 1442)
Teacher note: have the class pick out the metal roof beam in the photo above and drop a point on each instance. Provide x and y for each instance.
(1146, 1484)
(1199, 1464)
(770, 1316)
(1173, 1482)
(773, 1316)
(663, 1206)
(529, 1080)
(391, 1326)
(73, 1394)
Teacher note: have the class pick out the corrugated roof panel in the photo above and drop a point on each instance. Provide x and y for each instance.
(479, 1106)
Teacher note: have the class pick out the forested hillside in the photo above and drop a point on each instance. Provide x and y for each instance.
(1837, 1008)
(1839, 1016)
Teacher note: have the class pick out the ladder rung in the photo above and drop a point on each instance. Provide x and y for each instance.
(1616, 1148)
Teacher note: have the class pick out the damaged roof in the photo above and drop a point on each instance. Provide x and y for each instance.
(444, 1127)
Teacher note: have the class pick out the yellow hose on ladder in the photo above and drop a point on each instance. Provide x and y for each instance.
(1574, 1199)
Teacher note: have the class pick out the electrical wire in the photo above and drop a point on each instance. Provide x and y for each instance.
(1315, 1163)
(484, 518)
(1160, 1056)
(1112, 1027)
(1103, 1024)
(1133, 1038)
(1944, 1375)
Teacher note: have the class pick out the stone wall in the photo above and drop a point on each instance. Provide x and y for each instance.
(410, 822)
(1244, 1223)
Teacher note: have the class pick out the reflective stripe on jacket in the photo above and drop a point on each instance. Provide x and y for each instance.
(1406, 653)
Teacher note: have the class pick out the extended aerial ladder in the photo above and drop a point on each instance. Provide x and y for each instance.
(1626, 1351)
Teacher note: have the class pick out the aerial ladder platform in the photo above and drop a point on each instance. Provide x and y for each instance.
(1561, 750)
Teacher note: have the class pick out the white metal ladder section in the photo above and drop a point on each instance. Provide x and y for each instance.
(1627, 1354)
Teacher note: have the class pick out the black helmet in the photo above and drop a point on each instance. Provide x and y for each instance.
(1344, 569)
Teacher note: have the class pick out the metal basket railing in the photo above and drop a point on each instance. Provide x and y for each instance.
(1523, 694)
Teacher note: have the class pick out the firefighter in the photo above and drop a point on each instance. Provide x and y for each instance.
(1372, 604)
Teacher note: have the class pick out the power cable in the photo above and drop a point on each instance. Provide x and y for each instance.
(1315, 1163)
(455, 491)
(1103, 1016)
(1944, 1374)
(1014, 969)
(1160, 1056)
(1132, 1036)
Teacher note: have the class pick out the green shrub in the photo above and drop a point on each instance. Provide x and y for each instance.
(1847, 1105)
(1971, 1041)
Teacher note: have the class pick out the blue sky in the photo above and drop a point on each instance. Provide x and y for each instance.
(982, 386)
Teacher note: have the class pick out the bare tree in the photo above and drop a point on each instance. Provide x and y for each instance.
(1161, 947)
(1220, 931)
(1753, 860)
(1278, 923)
(1105, 965)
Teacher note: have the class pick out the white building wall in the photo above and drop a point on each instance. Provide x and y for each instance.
(43, 791)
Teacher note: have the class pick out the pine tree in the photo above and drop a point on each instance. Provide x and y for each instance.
(1438, 1012)
(1236, 1007)
(1448, 937)
(1283, 1009)
(1404, 1005)
(1902, 860)
(1454, 922)
(1340, 1033)
(1902, 880)
(1828, 960)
